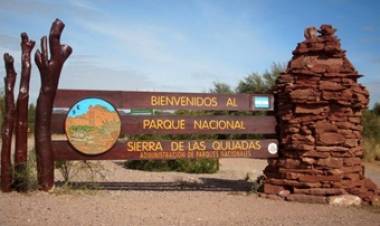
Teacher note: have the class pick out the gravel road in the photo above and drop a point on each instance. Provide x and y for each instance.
(147, 198)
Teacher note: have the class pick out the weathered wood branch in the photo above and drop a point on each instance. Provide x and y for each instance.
(50, 70)
(22, 114)
(8, 123)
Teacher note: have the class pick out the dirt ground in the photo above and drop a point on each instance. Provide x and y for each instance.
(167, 198)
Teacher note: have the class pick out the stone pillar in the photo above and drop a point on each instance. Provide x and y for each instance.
(319, 105)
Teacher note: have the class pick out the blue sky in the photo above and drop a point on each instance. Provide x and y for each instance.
(82, 106)
(187, 45)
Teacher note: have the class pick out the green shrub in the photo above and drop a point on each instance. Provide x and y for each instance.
(197, 166)
(258, 184)
(26, 179)
(376, 109)
(371, 125)
(181, 165)
(371, 132)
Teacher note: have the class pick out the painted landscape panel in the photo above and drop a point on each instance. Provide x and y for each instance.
(92, 126)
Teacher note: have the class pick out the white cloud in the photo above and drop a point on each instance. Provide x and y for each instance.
(41, 8)
(142, 41)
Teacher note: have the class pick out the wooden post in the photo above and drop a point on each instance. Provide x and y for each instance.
(8, 123)
(22, 115)
(50, 70)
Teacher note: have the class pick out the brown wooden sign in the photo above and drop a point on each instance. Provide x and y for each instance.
(166, 100)
(175, 149)
(96, 119)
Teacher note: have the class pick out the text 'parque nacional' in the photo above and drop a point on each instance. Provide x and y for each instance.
(180, 124)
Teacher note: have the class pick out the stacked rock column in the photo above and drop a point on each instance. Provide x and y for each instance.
(319, 104)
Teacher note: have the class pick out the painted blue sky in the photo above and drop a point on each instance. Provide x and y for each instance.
(82, 106)
(187, 45)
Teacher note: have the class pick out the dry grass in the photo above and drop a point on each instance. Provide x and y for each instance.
(371, 150)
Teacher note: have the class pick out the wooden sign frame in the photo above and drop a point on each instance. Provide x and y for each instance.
(132, 124)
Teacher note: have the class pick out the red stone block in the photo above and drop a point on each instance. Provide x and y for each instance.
(306, 198)
(324, 126)
(351, 143)
(330, 163)
(308, 160)
(300, 147)
(310, 171)
(355, 119)
(319, 191)
(352, 161)
(338, 172)
(316, 154)
(352, 169)
(289, 163)
(294, 183)
(330, 138)
(272, 189)
(352, 176)
(302, 94)
(331, 148)
(307, 109)
(370, 185)
(298, 138)
(348, 125)
(342, 154)
(319, 178)
(331, 86)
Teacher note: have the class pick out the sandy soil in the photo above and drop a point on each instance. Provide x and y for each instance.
(147, 198)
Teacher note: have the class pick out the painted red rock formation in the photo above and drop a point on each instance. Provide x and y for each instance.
(319, 107)
(95, 117)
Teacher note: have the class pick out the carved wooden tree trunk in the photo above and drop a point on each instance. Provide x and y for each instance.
(50, 70)
(22, 115)
(8, 123)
